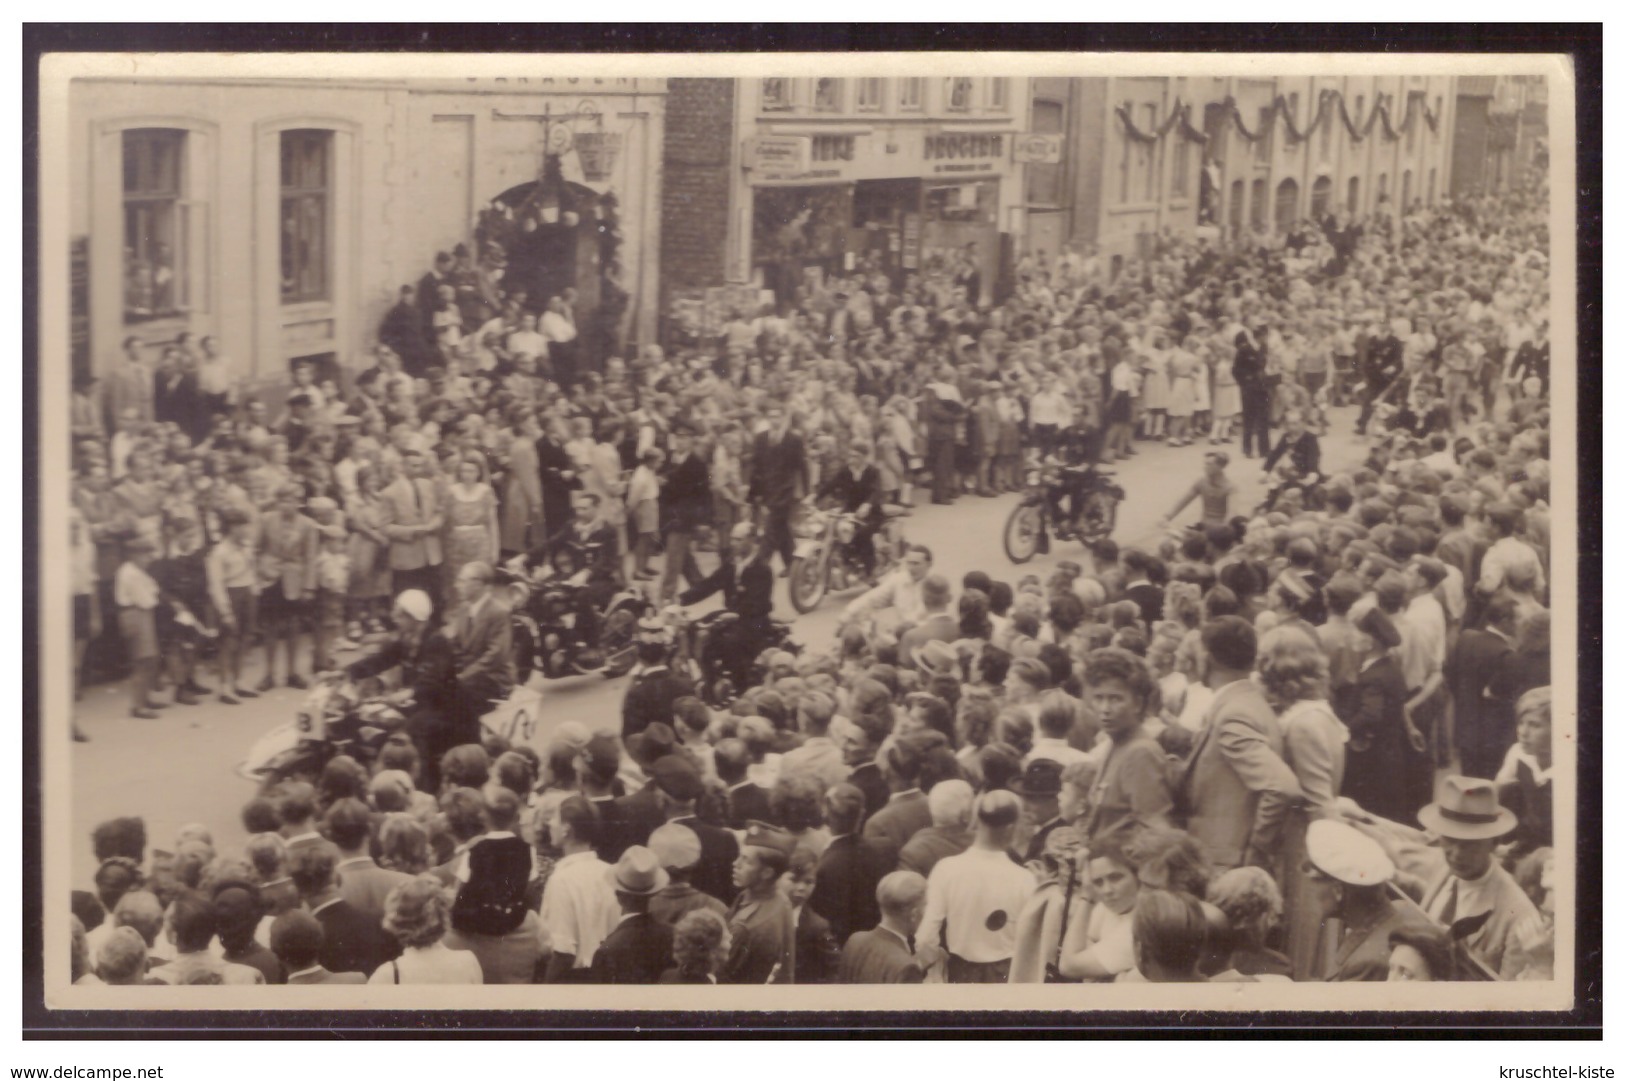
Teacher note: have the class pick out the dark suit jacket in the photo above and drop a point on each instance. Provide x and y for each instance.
(650, 698)
(848, 872)
(747, 802)
(879, 956)
(351, 942)
(642, 814)
(637, 951)
(876, 792)
(614, 830)
(321, 975)
(685, 495)
(429, 668)
(1149, 598)
(180, 403)
(718, 850)
(1479, 678)
(892, 826)
(818, 955)
(365, 885)
(484, 648)
(852, 492)
(777, 471)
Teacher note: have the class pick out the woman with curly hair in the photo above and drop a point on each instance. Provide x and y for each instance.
(1292, 672)
(1251, 903)
(1099, 943)
(797, 804)
(1132, 789)
(403, 844)
(699, 946)
(418, 913)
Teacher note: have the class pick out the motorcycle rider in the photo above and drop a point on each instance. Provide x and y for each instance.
(745, 579)
(428, 680)
(1075, 451)
(856, 490)
(590, 547)
(900, 591)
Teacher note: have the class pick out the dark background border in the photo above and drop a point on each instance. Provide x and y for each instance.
(1582, 42)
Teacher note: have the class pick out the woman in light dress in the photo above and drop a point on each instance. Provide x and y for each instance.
(418, 913)
(1182, 366)
(471, 517)
(1154, 385)
(522, 524)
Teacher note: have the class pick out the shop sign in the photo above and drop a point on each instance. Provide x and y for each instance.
(778, 153)
(1039, 149)
(964, 152)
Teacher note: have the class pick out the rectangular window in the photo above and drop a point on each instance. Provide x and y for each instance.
(157, 237)
(911, 94)
(1178, 186)
(778, 95)
(870, 95)
(957, 94)
(307, 180)
(998, 95)
(827, 94)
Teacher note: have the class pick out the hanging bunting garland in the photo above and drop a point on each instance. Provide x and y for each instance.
(1415, 104)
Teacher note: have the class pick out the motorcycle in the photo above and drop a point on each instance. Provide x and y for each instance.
(334, 719)
(1285, 476)
(825, 561)
(545, 605)
(1027, 531)
(696, 654)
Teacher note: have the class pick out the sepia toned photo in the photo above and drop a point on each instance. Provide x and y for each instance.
(532, 531)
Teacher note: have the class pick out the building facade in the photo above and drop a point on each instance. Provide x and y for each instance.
(823, 176)
(1178, 154)
(1500, 131)
(283, 216)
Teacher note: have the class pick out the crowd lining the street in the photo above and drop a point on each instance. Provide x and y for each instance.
(1306, 742)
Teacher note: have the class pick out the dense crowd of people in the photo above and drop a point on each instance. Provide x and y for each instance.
(1311, 742)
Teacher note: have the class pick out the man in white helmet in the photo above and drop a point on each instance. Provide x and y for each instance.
(428, 678)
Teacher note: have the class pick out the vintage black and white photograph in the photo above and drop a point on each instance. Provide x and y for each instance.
(787, 525)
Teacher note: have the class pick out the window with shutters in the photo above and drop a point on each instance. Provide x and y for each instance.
(307, 204)
(778, 95)
(958, 94)
(998, 95)
(911, 94)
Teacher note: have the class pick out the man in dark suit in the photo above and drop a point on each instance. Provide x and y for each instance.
(1136, 568)
(850, 868)
(746, 800)
(428, 292)
(654, 689)
(297, 940)
(745, 580)
(855, 490)
(906, 812)
(1486, 724)
(677, 780)
(402, 331)
(886, 954)
(175, 396)
(598, 769)
(360, 880)
(777, 480)
(639, 949)
(351, 941)
(1039, 787)
(428, 670)
(642, 811)
(685, 506)
(482, 637)
(860, 741)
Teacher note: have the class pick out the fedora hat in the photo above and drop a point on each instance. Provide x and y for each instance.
(1467, 810)
(1042, 777)
(638, 872)
(937, 658)
(654, 742)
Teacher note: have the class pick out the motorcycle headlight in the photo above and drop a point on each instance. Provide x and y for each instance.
(846, 531)
(1033, 476)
